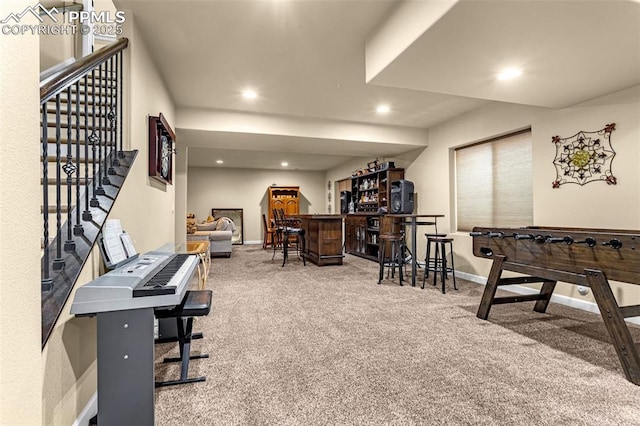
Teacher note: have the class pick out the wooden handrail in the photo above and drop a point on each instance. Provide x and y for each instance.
(78, 69)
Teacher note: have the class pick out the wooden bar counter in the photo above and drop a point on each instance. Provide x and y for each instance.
(323, 238)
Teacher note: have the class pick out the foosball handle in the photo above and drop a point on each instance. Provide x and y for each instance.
(566, 240)
(614, 243)
(588, 241)
(495, 234)
(523, 236)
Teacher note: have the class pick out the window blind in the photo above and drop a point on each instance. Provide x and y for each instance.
(494, 183)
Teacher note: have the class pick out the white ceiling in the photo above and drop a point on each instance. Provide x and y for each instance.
(306, 58)
(569, 51)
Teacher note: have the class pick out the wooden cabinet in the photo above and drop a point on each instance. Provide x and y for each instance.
(354, 227)
(286, 198)
(362, 233)
(323, 238)
(371, 192)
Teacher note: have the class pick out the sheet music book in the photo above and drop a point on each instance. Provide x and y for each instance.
(117, 243)
(127, 242)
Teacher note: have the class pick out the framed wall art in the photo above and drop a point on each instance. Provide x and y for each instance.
(585, 157)
(161, 149)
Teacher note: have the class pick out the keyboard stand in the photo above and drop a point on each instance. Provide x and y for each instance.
(168, 330)
(196, 303)
(125, 332)
(126, 367)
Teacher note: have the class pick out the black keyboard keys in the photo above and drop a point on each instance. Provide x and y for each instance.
(156, 285)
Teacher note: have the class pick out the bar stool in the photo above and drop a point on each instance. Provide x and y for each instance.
(396, 255)
(440, 261)
(429, 262)
(194, 304)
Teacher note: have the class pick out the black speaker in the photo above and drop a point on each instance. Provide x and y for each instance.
(345, 199)
(402, 196)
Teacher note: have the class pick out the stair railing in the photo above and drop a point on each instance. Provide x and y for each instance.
(84, 102)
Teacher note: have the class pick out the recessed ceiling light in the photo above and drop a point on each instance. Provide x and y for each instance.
(249, 94)
(219, 161)
(284, 164)
(509, 73)
(383, 109)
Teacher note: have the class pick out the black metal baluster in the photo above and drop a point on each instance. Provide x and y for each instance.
(112, 119)
(101, 131)
(121, 79)
(116, 108)
(94, 139)
(45, 280)
(69, 169)
(104, 82)
(78, 229)
(86, 214)
(58, 261)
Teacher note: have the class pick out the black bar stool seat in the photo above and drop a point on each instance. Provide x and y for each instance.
(196, 303)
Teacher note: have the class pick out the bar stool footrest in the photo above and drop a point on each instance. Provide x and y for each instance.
(169, 359)
(180, 382)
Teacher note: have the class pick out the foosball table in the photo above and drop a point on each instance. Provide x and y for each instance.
(586, 257)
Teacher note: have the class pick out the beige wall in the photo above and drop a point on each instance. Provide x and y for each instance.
(593, 205)
(247, 189)
(20, 221)
(56, 48)
(180, 182)
(145, 208)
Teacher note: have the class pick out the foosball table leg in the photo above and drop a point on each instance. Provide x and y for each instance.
(546, 292)
(615, 324)
(490, 288)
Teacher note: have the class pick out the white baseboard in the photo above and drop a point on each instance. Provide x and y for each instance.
(89, 410)
(560, 299)
(252, 242)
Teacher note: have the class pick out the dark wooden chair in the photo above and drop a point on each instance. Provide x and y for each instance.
(269, 235)
(285, 230)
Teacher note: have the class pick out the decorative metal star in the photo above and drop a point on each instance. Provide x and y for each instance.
(584, 157)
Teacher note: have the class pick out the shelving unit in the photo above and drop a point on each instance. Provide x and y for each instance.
(370, 192)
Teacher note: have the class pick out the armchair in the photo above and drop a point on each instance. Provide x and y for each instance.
(218, 233)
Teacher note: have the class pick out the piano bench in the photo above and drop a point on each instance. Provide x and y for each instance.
(196, 303)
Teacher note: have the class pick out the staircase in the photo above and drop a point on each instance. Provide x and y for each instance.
(83, 168)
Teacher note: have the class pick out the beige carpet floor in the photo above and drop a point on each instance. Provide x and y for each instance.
(328, 346)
